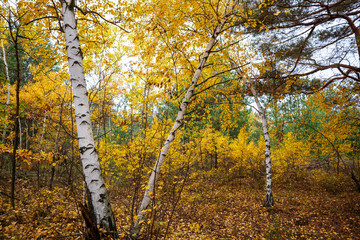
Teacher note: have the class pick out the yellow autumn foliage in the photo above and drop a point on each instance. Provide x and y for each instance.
(247, 156)
(290, 157)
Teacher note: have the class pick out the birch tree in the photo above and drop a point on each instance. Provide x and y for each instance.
(8, 90)
(88, 153)
(136, 227)
(269, 201)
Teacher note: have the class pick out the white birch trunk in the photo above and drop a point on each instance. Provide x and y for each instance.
(136, 227)
(269, 201)
(8, 93)
(89, 156)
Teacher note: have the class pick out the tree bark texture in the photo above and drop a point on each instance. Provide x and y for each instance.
(88, 153)
(136, 227)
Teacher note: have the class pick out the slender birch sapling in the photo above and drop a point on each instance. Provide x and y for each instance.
(269, 201)
(136, 227)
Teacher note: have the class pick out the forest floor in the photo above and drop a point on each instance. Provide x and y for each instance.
(301, 211)
(207, 210)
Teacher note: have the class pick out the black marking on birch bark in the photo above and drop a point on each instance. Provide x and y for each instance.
(163, 154)
(90, 146)
(95, 169)
(84, 123)
(86, 94)
(76, 62)
(94, 151)
(267, 155)
(68, 25)
(102, 198)
(82, 150)
(80, 53)
(81, 104)
(76, 38)
(80, 85)
(94, 180)
(102, 186)
(89, 165)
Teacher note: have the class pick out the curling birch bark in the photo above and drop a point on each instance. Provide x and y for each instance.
(269, 201)
(136, 227)
(8, 93)
(88, 153)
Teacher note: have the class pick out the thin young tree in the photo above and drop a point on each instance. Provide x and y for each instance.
(14, 28)
(8, 90)
(269, 201)
(136, 227)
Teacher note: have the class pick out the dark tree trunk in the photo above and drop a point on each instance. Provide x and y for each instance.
(356, 181)
(17, 118)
